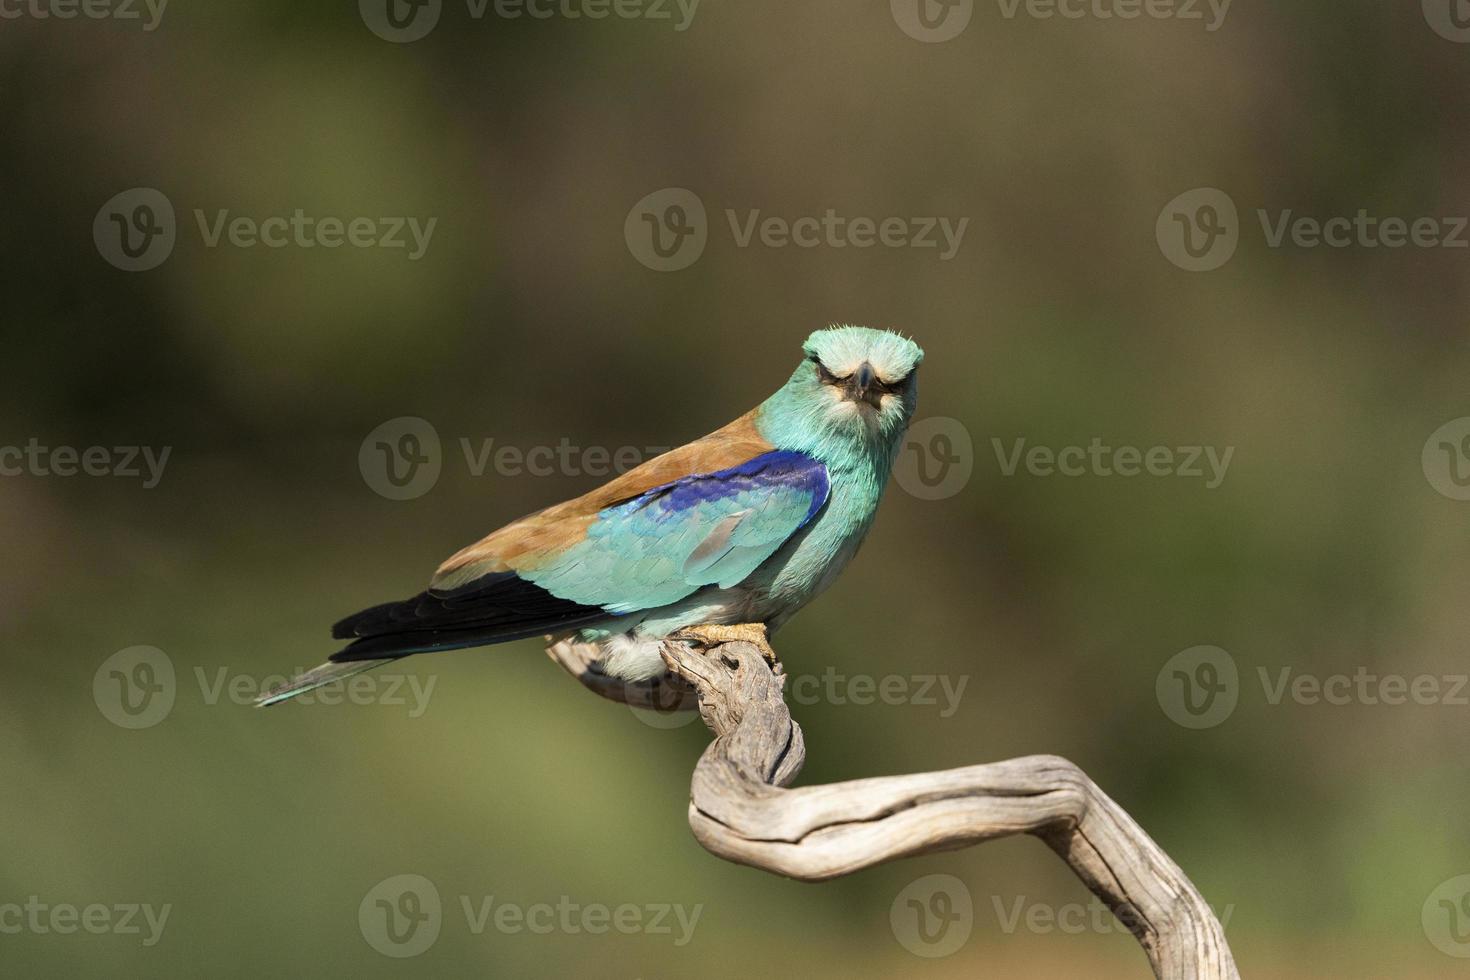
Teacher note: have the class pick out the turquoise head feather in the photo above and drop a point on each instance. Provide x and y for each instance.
(849, 403)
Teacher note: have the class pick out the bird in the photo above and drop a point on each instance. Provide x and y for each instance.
(724, 538)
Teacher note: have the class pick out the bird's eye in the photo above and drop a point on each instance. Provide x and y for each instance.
(823, 375)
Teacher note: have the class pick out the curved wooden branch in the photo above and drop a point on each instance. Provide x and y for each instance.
(666, 693)
(740, 810)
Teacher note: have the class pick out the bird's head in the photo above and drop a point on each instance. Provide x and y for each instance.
(855, 387)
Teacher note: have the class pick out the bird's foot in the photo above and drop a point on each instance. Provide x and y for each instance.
(709, 635)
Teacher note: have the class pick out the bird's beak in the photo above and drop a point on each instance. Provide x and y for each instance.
(865, 387)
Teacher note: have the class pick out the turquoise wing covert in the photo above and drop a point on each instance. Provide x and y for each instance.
(705, 529)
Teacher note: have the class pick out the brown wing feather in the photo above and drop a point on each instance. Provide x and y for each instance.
(521, 543)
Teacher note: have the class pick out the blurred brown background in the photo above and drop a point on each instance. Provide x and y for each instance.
(1335, 544)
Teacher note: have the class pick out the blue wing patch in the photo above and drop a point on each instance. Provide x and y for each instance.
(704, 529)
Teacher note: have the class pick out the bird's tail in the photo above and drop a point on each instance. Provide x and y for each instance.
(492, 609)
(317, 677)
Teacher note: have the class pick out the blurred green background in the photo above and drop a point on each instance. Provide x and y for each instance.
(1322, 829)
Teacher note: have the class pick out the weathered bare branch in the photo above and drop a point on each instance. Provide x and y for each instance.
(666, 693)
(740, 810)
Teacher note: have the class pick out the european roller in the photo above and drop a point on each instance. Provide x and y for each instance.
(733, 532)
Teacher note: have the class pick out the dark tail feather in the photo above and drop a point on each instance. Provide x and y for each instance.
(493, 609)
(315, 678)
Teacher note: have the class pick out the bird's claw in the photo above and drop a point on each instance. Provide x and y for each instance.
(710, 635)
